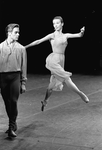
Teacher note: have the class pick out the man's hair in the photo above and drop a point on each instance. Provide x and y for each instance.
(10, 27)
(59, 17)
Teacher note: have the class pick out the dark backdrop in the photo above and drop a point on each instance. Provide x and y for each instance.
(83, 55)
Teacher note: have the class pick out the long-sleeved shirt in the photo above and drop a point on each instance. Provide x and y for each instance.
(13, 59)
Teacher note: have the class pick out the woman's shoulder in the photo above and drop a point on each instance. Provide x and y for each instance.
(52, 35)
(65, 34)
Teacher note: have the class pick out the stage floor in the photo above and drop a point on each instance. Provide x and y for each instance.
(68, 123)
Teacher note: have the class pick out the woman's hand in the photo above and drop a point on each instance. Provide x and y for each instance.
(82, 30)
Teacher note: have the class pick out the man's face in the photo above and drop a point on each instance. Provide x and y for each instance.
(14, 35)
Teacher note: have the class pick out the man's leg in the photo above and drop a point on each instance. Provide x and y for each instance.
(14, 95)
(10, 90)
(5, 93)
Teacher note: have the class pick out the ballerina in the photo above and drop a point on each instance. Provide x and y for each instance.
(55, 60)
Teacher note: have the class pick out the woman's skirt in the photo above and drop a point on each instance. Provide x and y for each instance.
(55, 63)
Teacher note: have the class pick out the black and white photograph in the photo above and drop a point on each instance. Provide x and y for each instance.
(50, 75)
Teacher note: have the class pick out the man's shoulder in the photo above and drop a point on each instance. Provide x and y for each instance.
(20, 45)
(1, 44)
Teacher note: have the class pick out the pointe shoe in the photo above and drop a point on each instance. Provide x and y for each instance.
(84, 98)
(44, 103)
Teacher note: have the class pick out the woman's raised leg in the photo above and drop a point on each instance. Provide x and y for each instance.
(75, 89)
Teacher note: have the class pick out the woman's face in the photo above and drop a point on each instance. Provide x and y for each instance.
(57, 24)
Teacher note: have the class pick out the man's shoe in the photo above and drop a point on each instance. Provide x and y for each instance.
(9, 129)
(11, 133)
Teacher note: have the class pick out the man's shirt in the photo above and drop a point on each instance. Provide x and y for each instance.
(13, 59)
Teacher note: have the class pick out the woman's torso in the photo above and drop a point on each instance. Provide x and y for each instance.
(59, 43)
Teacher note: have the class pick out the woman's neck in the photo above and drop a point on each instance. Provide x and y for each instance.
(58, 32)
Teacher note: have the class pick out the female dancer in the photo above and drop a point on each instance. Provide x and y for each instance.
(55, 61)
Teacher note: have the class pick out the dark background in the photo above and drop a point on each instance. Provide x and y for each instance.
(83, 55)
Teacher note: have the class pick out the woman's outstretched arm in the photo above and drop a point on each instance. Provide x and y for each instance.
(36, 42)
(75, 35)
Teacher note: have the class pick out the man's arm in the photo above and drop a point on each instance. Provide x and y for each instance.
(23, 70)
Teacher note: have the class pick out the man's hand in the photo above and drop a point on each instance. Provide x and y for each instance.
(23, 89)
